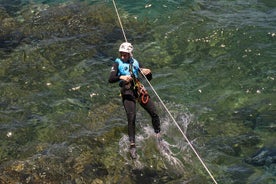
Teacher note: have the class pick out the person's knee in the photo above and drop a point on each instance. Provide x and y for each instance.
(131, 114)
(155, 117)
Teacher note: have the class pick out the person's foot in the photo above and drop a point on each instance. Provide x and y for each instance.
(163, 145)
(132, 151)
(158, 136)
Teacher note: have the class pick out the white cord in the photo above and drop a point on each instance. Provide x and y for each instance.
(120, 20)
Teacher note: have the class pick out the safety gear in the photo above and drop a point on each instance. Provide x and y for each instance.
(124, 68)
(126, 47)
(141, 91)
(131, 68)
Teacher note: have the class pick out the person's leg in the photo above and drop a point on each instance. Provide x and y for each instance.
(130, 108)
(150, 108)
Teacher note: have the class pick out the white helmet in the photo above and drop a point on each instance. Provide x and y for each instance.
(126, 47)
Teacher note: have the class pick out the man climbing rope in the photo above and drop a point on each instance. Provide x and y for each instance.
(126, 70)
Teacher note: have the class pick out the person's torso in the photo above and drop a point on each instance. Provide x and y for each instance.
(124, 68)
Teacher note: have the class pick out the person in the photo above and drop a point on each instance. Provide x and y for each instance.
(125, 70)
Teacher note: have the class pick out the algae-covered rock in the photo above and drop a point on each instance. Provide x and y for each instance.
(263, 157)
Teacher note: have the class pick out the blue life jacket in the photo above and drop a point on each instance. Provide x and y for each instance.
(123, 67)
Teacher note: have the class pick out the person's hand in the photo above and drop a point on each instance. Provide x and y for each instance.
(126, 78)
(145, 71)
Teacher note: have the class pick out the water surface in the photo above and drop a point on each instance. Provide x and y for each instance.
(214, 68)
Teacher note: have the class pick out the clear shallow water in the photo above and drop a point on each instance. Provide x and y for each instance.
(213, 65)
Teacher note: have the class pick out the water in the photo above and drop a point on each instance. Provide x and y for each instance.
(214, 68)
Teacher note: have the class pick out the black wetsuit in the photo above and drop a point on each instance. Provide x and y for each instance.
(129, 97)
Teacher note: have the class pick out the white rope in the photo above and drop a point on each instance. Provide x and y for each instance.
(179, 128)
(120, 22)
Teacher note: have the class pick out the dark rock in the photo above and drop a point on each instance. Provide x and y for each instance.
(264, 156)
(239, 173)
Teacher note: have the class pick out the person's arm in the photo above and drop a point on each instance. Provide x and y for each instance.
(146, 72)
(114, 77)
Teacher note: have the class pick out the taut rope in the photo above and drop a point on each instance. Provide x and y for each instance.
(120, 22)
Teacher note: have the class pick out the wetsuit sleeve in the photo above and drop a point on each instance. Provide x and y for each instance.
(114, 77)
(149, 76)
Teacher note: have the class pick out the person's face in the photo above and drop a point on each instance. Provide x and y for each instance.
(124, 56)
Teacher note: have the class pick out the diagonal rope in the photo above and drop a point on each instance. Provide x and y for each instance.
(119, 19)
(179, 128)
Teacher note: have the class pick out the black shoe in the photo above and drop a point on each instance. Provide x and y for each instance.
(132, 152)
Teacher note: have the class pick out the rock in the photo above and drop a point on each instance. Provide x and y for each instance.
(240, 173)
(264, 156)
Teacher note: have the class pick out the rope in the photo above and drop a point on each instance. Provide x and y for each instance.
(120, 22)
(179, 128)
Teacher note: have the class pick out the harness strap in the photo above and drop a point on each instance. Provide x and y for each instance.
(143, 95)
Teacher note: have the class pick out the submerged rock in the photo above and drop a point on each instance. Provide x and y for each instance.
(264, 156)
(239, 173)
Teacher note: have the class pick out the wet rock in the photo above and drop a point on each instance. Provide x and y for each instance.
(94, 170)
(12, 6)
(97, 181)
(239, 173)
(10, 36)
(10, 40)
(234, 145)
(264, 156)
(248, 116)
(266, 120)
(256, 120)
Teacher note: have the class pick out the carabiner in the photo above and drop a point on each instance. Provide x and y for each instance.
(144, 98)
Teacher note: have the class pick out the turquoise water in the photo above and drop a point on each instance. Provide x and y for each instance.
(214, 68)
